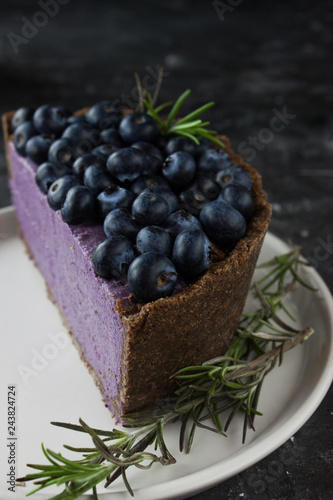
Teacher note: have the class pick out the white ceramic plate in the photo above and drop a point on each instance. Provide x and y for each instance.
(53, 384)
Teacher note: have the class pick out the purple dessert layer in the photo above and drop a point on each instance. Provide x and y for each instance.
(63, 255)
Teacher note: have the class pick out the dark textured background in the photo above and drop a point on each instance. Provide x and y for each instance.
(261, 57)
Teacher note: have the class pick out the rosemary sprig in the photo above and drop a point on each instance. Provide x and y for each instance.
(215, 391)
(190, 126)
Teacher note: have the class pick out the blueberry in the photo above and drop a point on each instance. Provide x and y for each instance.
(111, 136)
(181, 144)
(179, 169)
(58, 190)
(167, 194)
(113, 197)
(22, 134)
(207, 186)
(49, 172)
(154, 155)
(62, 151)
(121, 221)
(127, 164)
(112, 257)
(180, 220)
(214, 160)
(78, 205)
(76, 119)
(83, 162)
(151, 276)
(83, 137)
(104, 151)
(154, 239)
(203, 146)
(234, 175)
(222, 223)
(147, 181)
(51, 119)
(137, 127)
(238, 197)
(150, 208)
(192, 200)
(37, 148)
(104, 115)
(161, 142)
(22, 115)
(97, 179)
(191, 253)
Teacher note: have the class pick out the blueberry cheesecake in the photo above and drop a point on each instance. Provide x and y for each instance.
(146, 227)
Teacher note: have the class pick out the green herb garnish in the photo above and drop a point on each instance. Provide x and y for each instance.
(190, 126)
(213, 392)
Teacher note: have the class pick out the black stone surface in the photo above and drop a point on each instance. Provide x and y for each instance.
(254, 59)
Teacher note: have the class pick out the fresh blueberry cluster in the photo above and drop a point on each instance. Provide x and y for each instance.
(161, 200)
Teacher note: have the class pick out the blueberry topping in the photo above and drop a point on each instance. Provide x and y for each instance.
(192, 200)
(154, 156)
(83, 162)
(191, 253)
(127, 164)
(154, 239)
(37, 148)
(150, 208)
(113, 197)
(121, 221)
(234, 175)
(214, 160)
(222, 223)
(181, 144)
(112, 257)
(62, 151)
(97, 179)
(58, 190)
(179, 169)
(104, 115)
(111, 136)
(22, 115)
(51, 119)
(137, 127)
(238, 197)
(49, 172)
(147, 181)
(22, 134)
(180, 220)
(151, 276)
(78, 205)
(167, 194)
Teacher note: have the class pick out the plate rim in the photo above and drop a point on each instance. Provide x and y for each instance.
(211, 475)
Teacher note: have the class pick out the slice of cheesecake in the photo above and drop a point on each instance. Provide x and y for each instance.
(132, 349)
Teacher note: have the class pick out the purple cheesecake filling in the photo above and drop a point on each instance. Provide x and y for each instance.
(63, 254)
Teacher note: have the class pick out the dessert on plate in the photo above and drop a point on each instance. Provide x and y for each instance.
(147, 232)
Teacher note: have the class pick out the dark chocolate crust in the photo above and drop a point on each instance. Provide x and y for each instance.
(193, 325)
